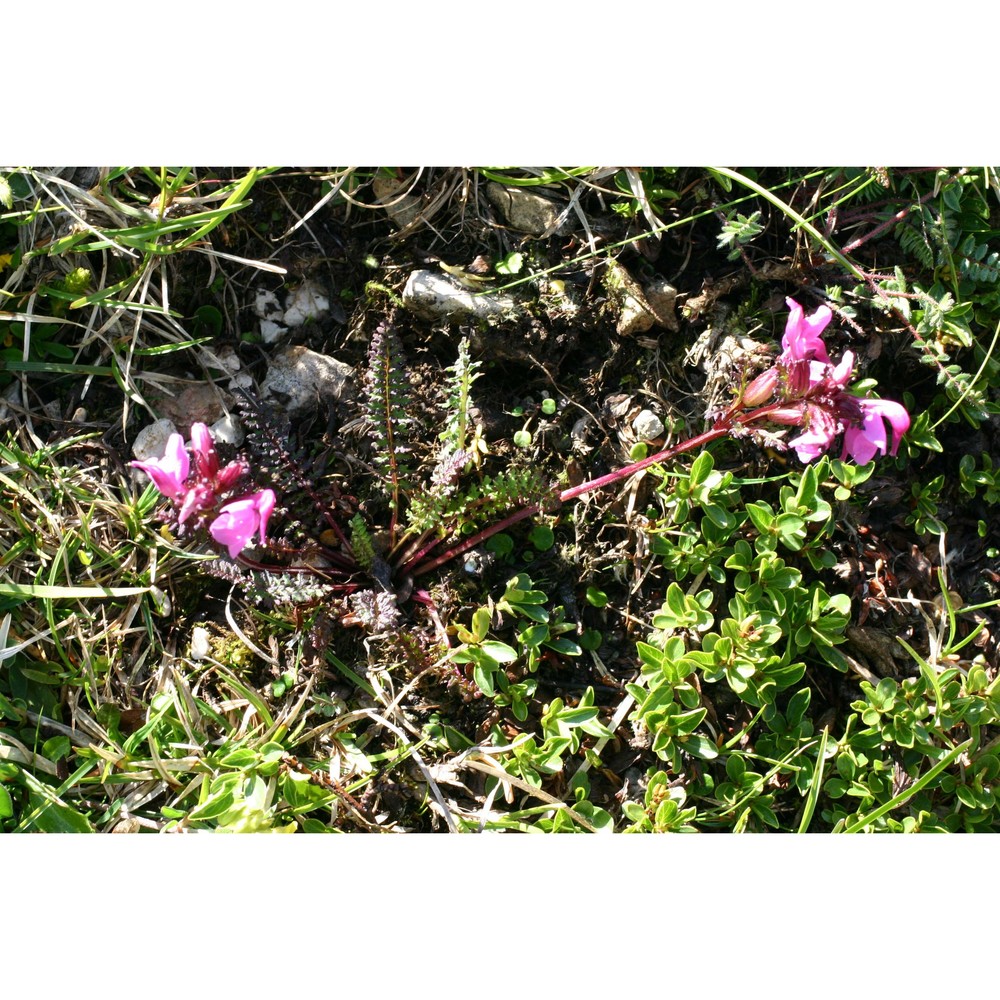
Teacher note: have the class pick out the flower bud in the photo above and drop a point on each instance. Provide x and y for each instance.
(791, 415)
(228, 477)
(761, 389)
(205, 459)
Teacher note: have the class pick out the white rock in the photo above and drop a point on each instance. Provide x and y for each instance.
(228, 359)
(524, 211)
(227, 430)
(299, 379)
(151, 441)
(267, 306)
(270, 332)
(432, 295)
(307, 302)
(201, 645)
(647, 426)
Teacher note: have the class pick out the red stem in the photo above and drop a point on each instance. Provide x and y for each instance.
(722, 427)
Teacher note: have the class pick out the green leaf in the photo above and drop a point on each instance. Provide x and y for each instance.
(241, 758)
(701, 467)
(699, 746)
(533, 636)
(49, 814)
(817, 779)
(565, 646)
(542, 537)
(762, 517)
(904, 796)
(56, 747)
(214, 806)
(921, 435)
(511, 264)
(480, 624)
(499, 651)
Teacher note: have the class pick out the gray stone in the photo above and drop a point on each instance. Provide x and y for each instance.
(301, 379)
(403, 208)
(197, 403)
(662, 296)
(432, 295)
(524, 211)
(634, 314)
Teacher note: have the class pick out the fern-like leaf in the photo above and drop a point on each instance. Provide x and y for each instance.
(386, 394)
(461, 375)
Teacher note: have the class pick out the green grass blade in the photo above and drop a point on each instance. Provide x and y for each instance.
(922, 782)
(822, 240)
(815, 784)
(46, 591)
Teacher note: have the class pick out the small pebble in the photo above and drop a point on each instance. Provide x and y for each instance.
(267, 306)
(151, 441)
(648, 426)
(227, 430)
(270, 332)
(200, 645)
(307, 302)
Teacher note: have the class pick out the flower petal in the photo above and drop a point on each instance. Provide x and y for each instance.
(896, 414)
(265, 506)
(168, 473)
(205, 458)
(234, 527)
(841, 375)
(858, 445)
(810, 445)
(802, 334)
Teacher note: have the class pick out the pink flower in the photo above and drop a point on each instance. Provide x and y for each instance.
(802, 341)
(805, 389)
(821, 427)
(206, 461)
(861, 442)
(168, 473)
(240, 520)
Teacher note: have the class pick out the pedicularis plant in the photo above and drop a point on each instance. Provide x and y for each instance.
(432, 522)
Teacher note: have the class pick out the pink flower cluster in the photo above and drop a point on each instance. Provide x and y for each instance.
(812, 394)
(200, 495)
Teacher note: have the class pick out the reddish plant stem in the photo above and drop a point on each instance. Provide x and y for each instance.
(723, 426)
(889, 223)
(421, 551)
